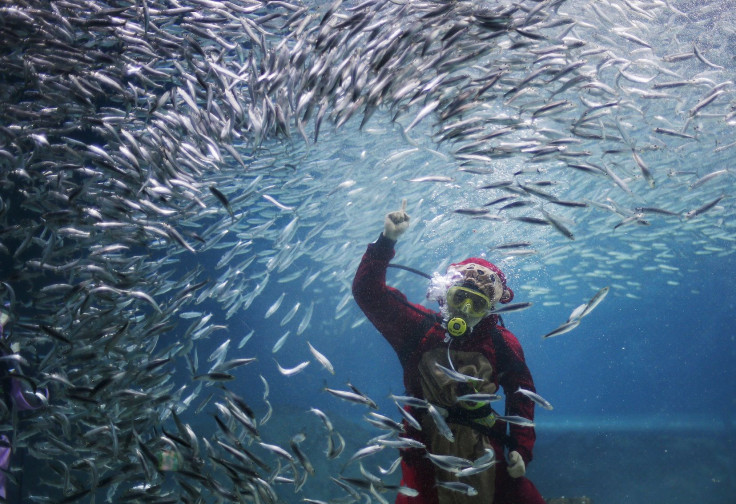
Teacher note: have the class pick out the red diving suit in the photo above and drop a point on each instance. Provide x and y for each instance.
(415, 332)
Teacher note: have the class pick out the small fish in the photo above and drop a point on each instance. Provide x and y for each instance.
(223, 199)
(233, 363)
(219, 352)
(273, 200)
(439, 421)
(516, 420)
(665, 131)
(449, 463)
(300, 455)
(432, 178)
(595, 301)
(704, 208)
(414, 402)
(246, 338)
(276, 305)
(335, 449)
(325, 419)
(566, 327)
(280, 342)
(321, 359)
(458, 486)
(392, 468)
(705, 102)
(384, 422)
(215, 376)
(352, 397)
(365, 452)
(401, 443)
(305, 320)
(700, 56)
(707, 178)
(409, 418)
(292, 371)
(532, 220)
(278, 451)
(458, 377)
(489, 457)
(536, 398)
(644, 168)
(510, 308)
(479, 398)
(557, 224)
(471, 211)
(409, 492)
(577, 312)
(290, 315)
(422, 113)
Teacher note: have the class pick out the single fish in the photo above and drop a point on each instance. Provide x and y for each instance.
(597, 298)
(432, 178)
(510, 308)
(352, 397)
(276, 305)
(325, 419)
(458, 486)
(458, 377)
(223, 199)
(566, 327)
(707, 178)
(292, 371)
(701, 210)
(280, 342)
(479, 398)
(516, 420)
(449, 463)
(364, 452)
(392, 468)
(291, 314)
(409, 418)
(439, 421)
(541, 401)
(321, 359)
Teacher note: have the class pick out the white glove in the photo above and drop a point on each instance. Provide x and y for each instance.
(516, 466)
(396, 223)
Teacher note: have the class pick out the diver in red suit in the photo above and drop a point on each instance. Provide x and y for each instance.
(455, 361)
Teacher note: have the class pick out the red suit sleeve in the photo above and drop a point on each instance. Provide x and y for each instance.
(398, 320)
(515, 374)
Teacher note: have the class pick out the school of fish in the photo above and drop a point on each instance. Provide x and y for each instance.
(158, 158)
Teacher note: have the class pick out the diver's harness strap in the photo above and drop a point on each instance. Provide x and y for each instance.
(461, 416)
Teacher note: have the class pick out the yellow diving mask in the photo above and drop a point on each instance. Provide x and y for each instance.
(468, 301)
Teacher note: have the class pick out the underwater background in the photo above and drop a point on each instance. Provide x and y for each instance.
(188, 183)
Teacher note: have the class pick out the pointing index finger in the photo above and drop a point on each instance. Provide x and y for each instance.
(403, 205)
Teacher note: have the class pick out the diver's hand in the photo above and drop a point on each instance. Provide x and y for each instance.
(396, 223)
(516, 466)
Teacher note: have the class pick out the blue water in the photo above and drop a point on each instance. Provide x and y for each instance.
(644, 405)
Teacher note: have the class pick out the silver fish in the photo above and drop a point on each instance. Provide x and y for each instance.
(516, 420)
(324, 361)
(458, 377)
(541, 401)
(458, 486)
(566, 327)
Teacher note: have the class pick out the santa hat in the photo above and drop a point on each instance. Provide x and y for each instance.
(477, 271)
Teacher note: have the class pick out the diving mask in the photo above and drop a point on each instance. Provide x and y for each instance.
(469, 302)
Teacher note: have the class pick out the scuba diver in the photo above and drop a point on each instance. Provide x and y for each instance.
(454, 362)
